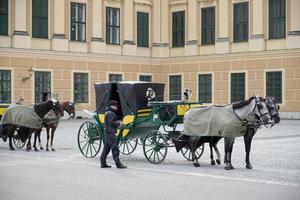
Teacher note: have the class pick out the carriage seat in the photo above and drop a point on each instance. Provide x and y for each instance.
(182, 109)
(127, 120)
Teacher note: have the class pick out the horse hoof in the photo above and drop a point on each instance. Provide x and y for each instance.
(196, 164)
(36, 149)
(218, 162)
(27, 149)
(249, 166)
(229, 167)
(47, 149)
(41, 148)
(212, 162)
(53, 149)
(11, 148)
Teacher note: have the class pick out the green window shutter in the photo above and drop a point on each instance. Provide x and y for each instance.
(40, 18)
(81, 88)
(175, 87)
(274, 85)
(5, 86)
(4, 17)
(142, 29)
(115, 77)
(208, 25)
(237, 87)
(178, 28)
(240, 22)
(205, 88)
(42, 85)
(146, 78)
(277, 19)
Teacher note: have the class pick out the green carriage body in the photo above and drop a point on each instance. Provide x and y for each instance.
(141, 118)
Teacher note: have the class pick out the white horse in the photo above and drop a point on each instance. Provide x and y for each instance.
(228, 121)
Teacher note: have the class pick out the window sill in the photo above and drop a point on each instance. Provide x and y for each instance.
(237, 42)
(144, 47)
(77, 41)
(40, 38)
(113, 44)
(271, 39)
(206, 45)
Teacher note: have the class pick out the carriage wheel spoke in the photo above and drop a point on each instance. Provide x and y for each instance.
(131, 145)
(87, 149)
(186, 150)
(161, 154)
(94, 148)
(91, 151)
(85, 146)
(83, 141)
(149, 150)
(157, 155)
(151, 154)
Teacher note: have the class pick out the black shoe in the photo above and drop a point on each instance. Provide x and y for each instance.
(105, 166)
(121, 166)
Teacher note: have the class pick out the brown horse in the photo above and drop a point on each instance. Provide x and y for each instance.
(51, 122)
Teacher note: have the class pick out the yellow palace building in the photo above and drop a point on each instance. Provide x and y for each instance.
(223, 50)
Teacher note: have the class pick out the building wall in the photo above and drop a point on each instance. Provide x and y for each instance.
(62, 57)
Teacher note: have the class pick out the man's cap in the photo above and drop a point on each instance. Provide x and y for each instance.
(113, 103)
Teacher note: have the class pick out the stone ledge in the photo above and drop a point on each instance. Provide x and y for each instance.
(289, 115)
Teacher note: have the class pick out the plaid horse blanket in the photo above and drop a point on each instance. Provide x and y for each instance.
(52, 118)
(213, 121)
(21, 115)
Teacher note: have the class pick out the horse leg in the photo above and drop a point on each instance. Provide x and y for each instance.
(218, 160)
(34, 142)
(52, 136)
(230, 153)
(39, 138)
(247, 140)
(212, 161)
(10, 143)
(193, 148)
(28, 146)
(47, 144)
(227, 158)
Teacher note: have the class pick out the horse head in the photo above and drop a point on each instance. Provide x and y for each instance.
(55, 105)
(273, 108)
(70, 109)
(261, 110)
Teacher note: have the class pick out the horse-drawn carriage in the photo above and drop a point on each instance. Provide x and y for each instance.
(147, 118)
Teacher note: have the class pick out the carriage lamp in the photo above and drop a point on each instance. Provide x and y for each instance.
(30, 72)
(150, 94)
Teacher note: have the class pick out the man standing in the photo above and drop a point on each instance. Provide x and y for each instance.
(110, 128)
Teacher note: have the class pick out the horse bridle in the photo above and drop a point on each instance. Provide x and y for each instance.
(258, 104)
(69, 109)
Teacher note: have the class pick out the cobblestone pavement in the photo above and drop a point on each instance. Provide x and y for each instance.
(275, 156)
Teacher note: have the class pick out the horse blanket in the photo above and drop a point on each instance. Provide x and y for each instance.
(52, 118)
(213, 121)
(21, 115)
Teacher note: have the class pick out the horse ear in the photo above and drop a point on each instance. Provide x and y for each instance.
(54, 101)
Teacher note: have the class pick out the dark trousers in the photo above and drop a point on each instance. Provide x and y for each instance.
(110, 144)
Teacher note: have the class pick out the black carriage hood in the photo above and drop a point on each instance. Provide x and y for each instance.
(102, 91)
(130, 94)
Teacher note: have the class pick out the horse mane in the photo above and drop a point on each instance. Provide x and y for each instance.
(243, 103)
